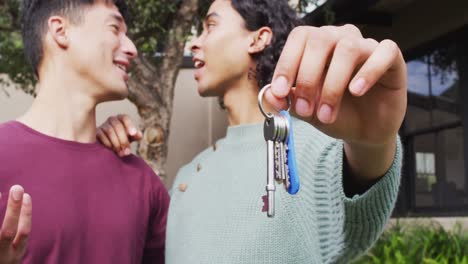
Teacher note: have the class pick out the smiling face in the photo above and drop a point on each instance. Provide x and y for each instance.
(100, 52)
(221, 54)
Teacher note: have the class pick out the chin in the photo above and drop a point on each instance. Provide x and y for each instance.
(122, 94)
(115, 94)
(207, 91)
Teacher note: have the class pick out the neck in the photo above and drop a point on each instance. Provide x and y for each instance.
(62, 110)
(242, 105)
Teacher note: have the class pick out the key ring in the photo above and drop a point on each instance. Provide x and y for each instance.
(260, 102)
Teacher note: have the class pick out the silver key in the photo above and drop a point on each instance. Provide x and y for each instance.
(275, 130)
(281, 139)
(281, 151)
(269, 133)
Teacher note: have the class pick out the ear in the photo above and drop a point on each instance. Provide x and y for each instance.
(260, 39)
(57, 28)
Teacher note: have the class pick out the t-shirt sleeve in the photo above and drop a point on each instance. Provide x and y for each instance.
(156, 237)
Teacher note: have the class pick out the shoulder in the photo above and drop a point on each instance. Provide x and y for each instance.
(199, 158)
(12, 138)
(139, 166)
(8, 130)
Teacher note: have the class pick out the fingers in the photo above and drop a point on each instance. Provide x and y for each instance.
(288, 65)
(305, 59)
(349, 53)
(311, 71)
(278, 104)
(323, 63)
(132, 130)
(380, 61)
(121, 132)
(12, 216)
(101, 135)
(25, 222)
(112, 137)
(117, 133)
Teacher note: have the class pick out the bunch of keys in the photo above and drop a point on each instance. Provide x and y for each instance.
(281, 160)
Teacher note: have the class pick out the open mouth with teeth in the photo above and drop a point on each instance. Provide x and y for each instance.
(199, 64)
(120, 66)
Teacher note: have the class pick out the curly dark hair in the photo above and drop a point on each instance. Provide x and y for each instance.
(275, 14)
(35, 14)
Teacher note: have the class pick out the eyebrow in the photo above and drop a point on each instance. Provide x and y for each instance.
(119, 19)
(210, 15)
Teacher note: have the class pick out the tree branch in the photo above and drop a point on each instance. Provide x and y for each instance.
(174, 51)
(6, 29)
(142, 82)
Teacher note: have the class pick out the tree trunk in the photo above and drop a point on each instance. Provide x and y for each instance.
(152, 90)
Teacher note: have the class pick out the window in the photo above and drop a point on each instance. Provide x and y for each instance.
(433, 133)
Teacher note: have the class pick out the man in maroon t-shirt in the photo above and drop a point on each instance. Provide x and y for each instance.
(90, 206)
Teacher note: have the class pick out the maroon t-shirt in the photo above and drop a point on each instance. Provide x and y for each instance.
(89, 205)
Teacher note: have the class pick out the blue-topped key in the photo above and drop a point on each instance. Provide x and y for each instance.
(293, 174)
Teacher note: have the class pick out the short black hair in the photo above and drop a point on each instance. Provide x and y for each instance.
(275, 14)
(35, 14)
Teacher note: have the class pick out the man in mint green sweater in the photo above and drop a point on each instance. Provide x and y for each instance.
(350, 98)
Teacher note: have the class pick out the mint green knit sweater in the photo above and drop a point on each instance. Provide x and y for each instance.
(216, 216)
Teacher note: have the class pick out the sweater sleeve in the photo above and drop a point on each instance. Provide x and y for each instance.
(366, 215)
(339, 227)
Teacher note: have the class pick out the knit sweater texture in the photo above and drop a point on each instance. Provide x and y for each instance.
(215, 214)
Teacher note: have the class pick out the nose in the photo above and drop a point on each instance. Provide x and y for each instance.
(195, 44)
(129, 47)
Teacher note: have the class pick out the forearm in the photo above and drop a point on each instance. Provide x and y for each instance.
(365, 165)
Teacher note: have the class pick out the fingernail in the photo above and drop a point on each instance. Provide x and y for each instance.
(16, 193)
(325, 113)
(358, 86)
(302, 107)
(26, 199)
(132, 131)
(127, 152)
(280, 86)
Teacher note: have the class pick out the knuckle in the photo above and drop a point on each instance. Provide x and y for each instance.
(114, 121)
(107, 129)
(23, 234)
(7, 235)
(331, 96)
(390, 45)
(350, 28)
(127, 119)
(124, 118)
(329, 29)
(299, 30)
(372, 41)
(304, 84)
(312, 31)
(321, 37)
(27, 213)
(348, 45)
